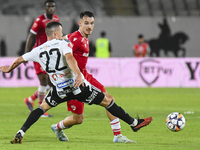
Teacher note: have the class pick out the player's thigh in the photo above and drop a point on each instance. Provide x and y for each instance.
(96, 83)
(45, 106)
(43, 77)
(106, 101)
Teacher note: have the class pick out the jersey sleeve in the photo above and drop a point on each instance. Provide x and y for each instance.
(30, 56)
(35, 26)
(66, 47)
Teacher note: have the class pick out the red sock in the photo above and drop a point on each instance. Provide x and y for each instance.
(34, 96)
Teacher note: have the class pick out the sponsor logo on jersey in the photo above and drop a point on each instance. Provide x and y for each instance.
(91, 97)
(86, 54)
(66, 74)
(65, 84)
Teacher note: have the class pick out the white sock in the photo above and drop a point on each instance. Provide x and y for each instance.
(22, 132)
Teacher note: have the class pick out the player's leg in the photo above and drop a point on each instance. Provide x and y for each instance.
(76, 118)
(119, 112)
(114, 121)
(116, 127)
(51, 100)
(43, 78)
(32, 118)
(67, 123)
(43, 82)
(93, 95)
(29, 101)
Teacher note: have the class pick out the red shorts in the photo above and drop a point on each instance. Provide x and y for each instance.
(38, 68)
(76, 106)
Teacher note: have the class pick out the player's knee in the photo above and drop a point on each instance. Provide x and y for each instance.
(108, 95)
(78, 119)
(106, 101)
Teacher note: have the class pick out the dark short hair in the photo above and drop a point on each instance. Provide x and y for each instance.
(49, 1)
(140, 36)
(49, 27)
(103, 33)
(86, 13)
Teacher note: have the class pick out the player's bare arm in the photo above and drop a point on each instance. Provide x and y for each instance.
(15, 63)
(74, 67)
(29, 43)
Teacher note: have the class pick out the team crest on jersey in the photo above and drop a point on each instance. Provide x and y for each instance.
(74, 39)
(55, 77)
(73, 107)
(45, 47)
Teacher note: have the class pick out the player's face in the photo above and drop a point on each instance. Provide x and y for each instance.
(50, 8)
(86, 25)
(141, 40)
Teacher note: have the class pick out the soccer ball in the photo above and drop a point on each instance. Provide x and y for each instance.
(175, 121)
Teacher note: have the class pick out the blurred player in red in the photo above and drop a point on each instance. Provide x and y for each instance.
(141, 49)
(80, 49)
(38, 31)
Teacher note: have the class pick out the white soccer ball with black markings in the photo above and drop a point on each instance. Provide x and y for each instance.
(175, 121)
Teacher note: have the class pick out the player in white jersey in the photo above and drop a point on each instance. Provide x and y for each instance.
(57, 60)
(61, 77)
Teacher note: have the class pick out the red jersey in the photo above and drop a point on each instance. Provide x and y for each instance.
(144, 48)
(81, 52)
(38, 28)
(80, 49)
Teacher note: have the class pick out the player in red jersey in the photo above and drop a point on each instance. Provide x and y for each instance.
(38, 31)
(141, 49)
(80, 49)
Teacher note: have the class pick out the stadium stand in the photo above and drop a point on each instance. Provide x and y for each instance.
(36, 7)
(105, 7)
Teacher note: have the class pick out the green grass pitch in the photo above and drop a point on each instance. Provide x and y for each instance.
(95, 133)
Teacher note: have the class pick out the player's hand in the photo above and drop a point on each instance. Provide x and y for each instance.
(78, 81)
(4, 69)
(25, 62)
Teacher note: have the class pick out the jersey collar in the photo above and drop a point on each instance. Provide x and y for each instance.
(82, 34)
(45, 15)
